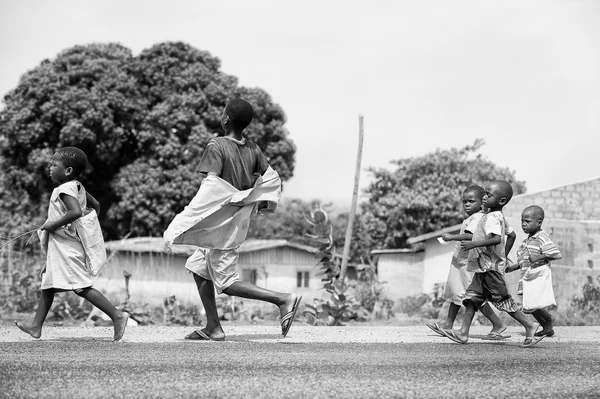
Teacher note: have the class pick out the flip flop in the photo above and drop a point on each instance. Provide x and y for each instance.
(530, 341)
(288, 318)
(495, 336)
(199, 335)
(452, 335)
(435, 327)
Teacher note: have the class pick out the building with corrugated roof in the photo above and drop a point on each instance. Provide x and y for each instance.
(278, 265)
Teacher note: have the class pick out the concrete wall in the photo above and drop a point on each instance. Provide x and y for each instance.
(573, 222)
(436, 264)
(403, 273)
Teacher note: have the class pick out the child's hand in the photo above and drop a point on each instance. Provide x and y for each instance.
(49, 227)
(447, 237)
(466, 245)
(167, 248)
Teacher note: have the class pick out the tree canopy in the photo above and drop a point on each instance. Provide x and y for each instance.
(423, 194)
(143, 122)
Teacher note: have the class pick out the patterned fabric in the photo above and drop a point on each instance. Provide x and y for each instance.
(539, 243)
(482, 259)
(490, 286)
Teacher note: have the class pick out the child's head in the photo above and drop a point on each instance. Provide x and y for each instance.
(238, 114)
(67, 164)
(497, 194)
(471, 199)
(531, 219)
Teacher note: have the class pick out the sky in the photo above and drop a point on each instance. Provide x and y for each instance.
(523, 75)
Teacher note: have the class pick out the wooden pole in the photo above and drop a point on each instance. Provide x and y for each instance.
(354, 200)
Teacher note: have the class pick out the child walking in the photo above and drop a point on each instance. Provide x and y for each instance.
(236, 179)
(533, 258)
(65, 268)
(487, 259)
(459, 277)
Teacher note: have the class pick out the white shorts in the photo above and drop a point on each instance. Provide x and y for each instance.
(217, 265)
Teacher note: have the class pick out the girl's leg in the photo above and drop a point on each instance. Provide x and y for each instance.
(96, 298)
(497, 324)
(453, 310)
(35, 328)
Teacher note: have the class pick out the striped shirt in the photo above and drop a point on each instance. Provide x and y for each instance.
(536, 244)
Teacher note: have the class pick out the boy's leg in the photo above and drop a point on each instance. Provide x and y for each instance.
(221, 266)
(213, 328)
(96, 298)
(530, 327)
(497, 325)
(45, 303)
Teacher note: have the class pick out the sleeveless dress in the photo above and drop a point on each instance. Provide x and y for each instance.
(65, 257)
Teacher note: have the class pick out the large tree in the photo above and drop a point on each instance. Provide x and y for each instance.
(423, 194)
(142, 120)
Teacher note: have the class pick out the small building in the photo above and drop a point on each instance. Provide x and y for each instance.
(278, 265)
(572, 220)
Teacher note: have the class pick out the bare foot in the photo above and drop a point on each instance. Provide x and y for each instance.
(120, 325)
(34, 332)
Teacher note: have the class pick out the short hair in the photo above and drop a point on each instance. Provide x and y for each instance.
(505, 188)
(475, 189)
(536, 210)
(72, 157)
(240, 113)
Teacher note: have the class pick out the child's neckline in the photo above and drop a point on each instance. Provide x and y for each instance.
(240, 142)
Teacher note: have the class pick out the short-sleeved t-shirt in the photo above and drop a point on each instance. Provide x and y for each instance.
(234, 161)
(459, 258)
(493, 257)
(538, 243)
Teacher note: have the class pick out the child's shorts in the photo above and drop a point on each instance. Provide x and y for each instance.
(217, 265)
(490, 286)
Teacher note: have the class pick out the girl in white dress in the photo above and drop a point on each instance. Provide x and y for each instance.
(65, 268)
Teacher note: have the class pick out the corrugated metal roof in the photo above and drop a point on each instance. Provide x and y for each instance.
(155, 244)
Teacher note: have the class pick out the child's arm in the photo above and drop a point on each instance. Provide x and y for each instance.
(73, 213)
(548, 252)
(92, 203)
(493, 240)
(457, 237)
(544, 258)
(510, 241)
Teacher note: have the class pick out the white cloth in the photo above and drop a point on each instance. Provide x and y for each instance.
(65, 267)
(218, 217)
(89, 232)
(537, 289)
